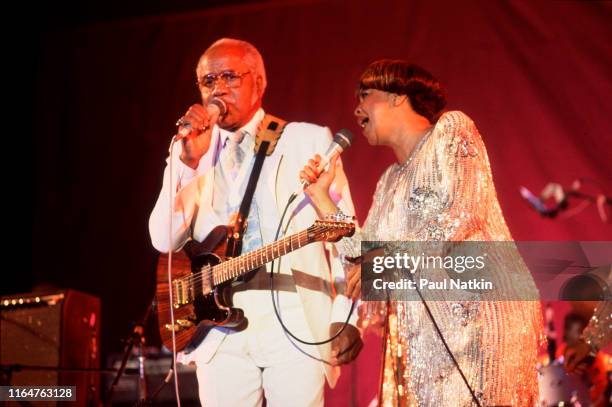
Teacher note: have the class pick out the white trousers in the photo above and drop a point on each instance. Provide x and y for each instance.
(261, 362)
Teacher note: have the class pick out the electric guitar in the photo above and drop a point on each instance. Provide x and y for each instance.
(202, 278)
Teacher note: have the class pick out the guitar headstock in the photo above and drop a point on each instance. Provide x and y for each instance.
(330, 231)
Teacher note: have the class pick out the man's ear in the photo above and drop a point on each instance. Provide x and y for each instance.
(259, 84)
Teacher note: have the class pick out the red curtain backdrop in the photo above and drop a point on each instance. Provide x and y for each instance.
(534, 76)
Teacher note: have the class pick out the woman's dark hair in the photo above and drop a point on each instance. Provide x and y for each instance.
(426, 95)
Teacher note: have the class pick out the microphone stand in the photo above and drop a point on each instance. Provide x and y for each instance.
(136, 338)
(149, 401)
(142, 381)
(551, 334)
(142, 384)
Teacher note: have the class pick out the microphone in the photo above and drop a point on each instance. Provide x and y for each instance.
(538, 204)
(215, 108)
(342, 140)
(533, 200)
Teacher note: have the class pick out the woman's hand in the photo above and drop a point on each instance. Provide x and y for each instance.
(318, 190)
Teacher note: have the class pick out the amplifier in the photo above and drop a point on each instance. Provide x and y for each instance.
(43, 332)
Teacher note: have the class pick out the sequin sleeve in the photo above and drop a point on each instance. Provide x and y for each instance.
(351, 246)
(371, 313)
(459, 167)
(598, 332)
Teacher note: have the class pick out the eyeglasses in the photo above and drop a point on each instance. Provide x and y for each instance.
(230, 79)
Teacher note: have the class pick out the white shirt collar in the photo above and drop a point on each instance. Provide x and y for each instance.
(250, 129)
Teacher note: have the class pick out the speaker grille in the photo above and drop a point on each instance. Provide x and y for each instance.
(55, 330)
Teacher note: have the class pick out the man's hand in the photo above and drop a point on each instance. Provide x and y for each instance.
(346, 346)
(197, 143)
(353, 282)
(578, 357)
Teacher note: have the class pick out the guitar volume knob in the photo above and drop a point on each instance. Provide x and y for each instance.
(180, 325)
(185, 323)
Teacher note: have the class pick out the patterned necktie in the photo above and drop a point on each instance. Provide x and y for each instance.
(235, 155)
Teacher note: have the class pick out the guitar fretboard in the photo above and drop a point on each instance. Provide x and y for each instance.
(250, 261)
(207, 278)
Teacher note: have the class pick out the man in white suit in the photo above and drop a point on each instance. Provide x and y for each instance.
(209, 172)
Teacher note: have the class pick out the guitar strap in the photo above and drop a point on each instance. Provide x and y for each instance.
(268, 134)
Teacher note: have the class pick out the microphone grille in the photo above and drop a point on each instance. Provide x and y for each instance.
(344, 138)
(220, 104)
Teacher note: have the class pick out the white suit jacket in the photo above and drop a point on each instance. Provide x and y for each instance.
(193, 213)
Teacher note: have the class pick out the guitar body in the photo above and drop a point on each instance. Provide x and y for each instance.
(203, 275)
(213, 308)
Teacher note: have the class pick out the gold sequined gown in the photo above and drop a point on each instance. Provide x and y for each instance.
(445, 192)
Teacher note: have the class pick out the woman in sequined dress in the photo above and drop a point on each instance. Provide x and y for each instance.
(440, 189)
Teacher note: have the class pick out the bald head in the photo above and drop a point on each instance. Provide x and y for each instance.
(232, 71)
(251, 56)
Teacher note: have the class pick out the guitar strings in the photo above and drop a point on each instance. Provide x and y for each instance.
(205, 274)
(258, 253)
(206, 271)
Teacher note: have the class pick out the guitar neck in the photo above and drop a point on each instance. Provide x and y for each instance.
(241, 265)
